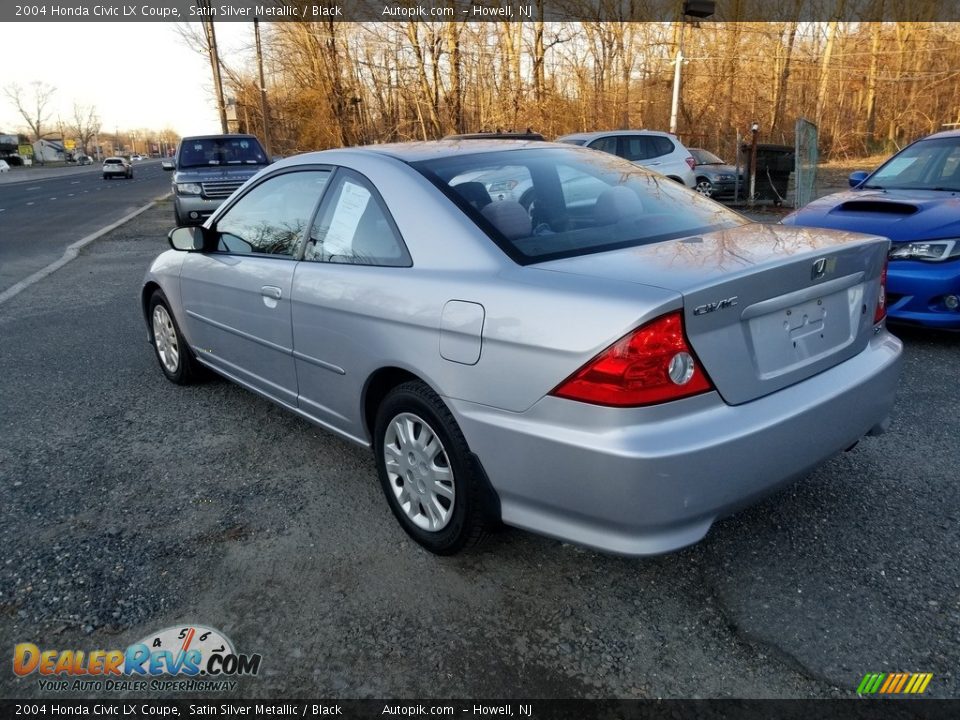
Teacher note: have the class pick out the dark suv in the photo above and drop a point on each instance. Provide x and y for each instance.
(206, 171)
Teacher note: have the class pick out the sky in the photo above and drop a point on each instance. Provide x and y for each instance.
(137, 75)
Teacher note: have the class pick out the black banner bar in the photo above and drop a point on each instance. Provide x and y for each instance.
(857, 709)
(477, 11)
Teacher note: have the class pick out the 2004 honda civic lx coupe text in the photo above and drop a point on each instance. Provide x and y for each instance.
(619, 363)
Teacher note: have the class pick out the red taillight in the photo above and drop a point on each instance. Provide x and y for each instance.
(692, 163)
(881, 312)
(653, 364)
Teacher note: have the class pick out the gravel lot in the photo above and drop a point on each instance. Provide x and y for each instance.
(128, 504)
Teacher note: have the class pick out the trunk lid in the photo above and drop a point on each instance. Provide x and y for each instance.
(765, 306)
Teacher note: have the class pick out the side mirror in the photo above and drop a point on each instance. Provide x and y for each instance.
(188, 239)
(167, 164)
(857, 177)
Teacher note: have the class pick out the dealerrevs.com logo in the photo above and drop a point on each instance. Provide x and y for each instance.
(176, 659)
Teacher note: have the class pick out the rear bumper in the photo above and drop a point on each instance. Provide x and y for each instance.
(650, 480)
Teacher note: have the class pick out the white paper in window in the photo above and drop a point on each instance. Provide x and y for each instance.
(350, 206)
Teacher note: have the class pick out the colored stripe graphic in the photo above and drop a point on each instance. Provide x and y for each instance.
(894, 683)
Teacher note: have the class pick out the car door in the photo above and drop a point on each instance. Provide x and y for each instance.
(342, 299)
(236, 295)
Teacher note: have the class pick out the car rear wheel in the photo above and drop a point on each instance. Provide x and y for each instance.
(426, 470)
(174, 355)
(704, 187)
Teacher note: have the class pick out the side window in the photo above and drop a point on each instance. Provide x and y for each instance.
(605, 144)
(637, 147)
(660, 146)
(271, 218)
(354, 228)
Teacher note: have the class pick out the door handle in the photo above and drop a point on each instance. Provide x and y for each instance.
(271, 291)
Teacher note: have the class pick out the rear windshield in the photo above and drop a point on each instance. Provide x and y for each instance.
(113, 161)
(544, 204)
(203, 152)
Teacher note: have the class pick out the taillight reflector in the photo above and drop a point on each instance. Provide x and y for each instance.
(653, 364)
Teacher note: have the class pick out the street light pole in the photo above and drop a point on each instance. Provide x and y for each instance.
(691, 8)
(677, 63)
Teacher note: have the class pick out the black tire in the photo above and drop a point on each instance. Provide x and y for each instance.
(187, 370)
(106, 177)
(470, 520)
(176, 217)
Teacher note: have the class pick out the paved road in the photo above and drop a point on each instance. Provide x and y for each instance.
(39, 218)
(128, 504)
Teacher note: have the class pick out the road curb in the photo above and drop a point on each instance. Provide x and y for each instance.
(71, 252)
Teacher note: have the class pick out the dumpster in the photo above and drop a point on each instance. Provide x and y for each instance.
(774, 166)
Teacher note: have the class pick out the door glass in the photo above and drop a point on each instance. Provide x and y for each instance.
(354, 228)
(637, 147)
(605, 144)
(270, 219)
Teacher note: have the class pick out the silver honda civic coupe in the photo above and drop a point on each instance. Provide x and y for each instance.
(616, 362)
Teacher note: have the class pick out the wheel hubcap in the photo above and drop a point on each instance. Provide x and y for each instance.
(419, 472)
(705, 188)
(165, 339)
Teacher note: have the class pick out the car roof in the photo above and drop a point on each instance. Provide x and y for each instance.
(601, 133)
(431, 149)
(497, 135)
(217, 136)
(942, 134)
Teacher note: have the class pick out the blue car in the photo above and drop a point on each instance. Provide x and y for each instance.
(913, 199)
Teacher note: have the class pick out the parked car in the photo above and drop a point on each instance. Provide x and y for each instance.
(658, 151)
(714, 178)
(136, 158)
(603, 373)
(117, 167)
(206, 171)
(4, 166)
(913, 199)
(84, 160)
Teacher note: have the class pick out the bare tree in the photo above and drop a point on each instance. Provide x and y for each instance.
(32, 108)
(85, 124)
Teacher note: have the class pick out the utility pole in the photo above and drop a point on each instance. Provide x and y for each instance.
(214, 61)
(677, 63)
(264, 112)
(754, 129)
(691, 8)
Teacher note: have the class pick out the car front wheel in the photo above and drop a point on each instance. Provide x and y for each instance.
(173, 353)
(704, 187)
(427, 472)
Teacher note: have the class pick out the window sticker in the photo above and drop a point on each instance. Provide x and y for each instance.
(346, 217)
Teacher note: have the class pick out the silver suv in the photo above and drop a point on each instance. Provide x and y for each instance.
(116, 167)
(659, 151)
(206, 171)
